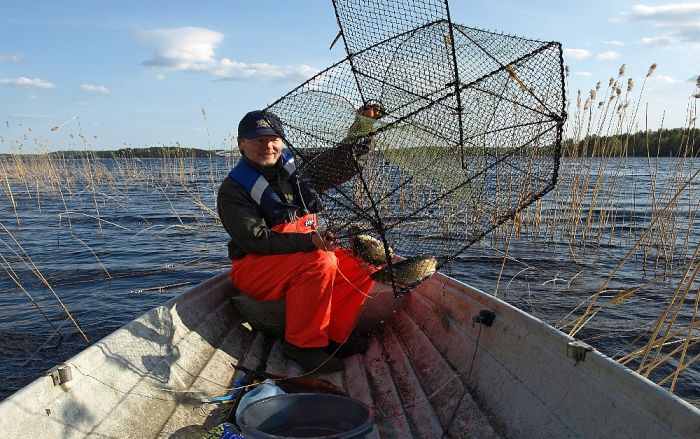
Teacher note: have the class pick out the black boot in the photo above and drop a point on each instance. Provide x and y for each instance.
(354, 345)
(312, 359)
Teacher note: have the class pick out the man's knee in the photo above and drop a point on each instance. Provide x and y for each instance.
(319, 260)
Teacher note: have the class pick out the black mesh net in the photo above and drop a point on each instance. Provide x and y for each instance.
(466, 130)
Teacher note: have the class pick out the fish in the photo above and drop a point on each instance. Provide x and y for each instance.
(409, 272)
(296, 384)
(370, 249)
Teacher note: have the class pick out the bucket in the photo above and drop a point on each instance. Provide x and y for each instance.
(306, 415)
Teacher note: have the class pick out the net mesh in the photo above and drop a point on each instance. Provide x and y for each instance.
(469, 132)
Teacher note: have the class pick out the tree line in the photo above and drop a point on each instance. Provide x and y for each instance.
(154, 152)
(673, 142)
(157, 152)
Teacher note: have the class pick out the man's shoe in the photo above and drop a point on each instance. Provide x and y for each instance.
(312, 359)
(354, 345)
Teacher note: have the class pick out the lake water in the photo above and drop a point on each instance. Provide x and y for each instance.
(112, 249)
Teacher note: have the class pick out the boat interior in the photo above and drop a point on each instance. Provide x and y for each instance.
(445, 360)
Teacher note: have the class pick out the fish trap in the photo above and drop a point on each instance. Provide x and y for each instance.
(468, 128)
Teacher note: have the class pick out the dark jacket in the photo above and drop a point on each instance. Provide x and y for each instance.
(242, 217)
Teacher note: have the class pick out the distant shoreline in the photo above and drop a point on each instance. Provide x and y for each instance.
(158, 152)
(674, 142)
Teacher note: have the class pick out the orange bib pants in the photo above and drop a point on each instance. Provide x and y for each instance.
(324, 290)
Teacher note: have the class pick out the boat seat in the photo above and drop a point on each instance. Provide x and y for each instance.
(269, 317)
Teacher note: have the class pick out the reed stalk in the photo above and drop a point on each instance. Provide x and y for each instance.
(681, 367)
(688, 279)
(9, 192)
(30, 264)
(509, 236)
(577, 324)
(636, 353)
(15, 278)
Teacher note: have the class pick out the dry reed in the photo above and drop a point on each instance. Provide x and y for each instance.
(583, 216)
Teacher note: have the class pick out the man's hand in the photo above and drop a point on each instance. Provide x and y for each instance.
(361, 146)
(324, 240)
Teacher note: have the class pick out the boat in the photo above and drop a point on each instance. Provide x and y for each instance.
(446, 360)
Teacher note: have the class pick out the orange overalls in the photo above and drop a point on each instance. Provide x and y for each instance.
(321, 287)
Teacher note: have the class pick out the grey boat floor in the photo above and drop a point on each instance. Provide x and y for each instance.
(403, 376)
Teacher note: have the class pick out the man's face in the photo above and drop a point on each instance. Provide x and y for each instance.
(372, 111)
(263, 151)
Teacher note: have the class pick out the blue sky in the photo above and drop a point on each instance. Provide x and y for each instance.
(148, 73)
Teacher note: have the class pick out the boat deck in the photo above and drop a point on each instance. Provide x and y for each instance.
(431, 371)
(411, 387)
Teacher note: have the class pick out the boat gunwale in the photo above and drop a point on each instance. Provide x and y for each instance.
(666, 408)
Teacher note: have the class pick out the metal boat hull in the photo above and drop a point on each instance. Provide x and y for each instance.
(430, 369)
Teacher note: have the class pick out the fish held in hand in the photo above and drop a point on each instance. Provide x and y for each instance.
(370, 249)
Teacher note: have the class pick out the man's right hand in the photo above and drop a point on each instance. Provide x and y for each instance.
(324, 240)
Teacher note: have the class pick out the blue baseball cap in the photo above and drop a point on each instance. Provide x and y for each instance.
(259, 123)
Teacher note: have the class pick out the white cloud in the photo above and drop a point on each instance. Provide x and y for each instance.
(11, 57)
(586, 74)
(662, 40)
(181, 48)
(669, 15)
(238, 71)
(99, 89)
(614, 42)
(30, 116)
(192, 49)
(577, 53)
(610, 55)
(669, 80)
(681, 20)
(27, 82)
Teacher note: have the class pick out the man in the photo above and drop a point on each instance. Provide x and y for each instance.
(365, 120)
(276, 248)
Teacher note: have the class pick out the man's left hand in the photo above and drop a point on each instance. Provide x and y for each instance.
(362, 146)
(323, 240)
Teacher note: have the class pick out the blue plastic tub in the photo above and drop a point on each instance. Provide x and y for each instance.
(306, 415)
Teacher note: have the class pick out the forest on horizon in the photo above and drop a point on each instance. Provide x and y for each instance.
(673, 142)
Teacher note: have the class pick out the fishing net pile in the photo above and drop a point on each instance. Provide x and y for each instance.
(468, 132)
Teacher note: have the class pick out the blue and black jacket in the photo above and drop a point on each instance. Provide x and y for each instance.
(274, 210)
